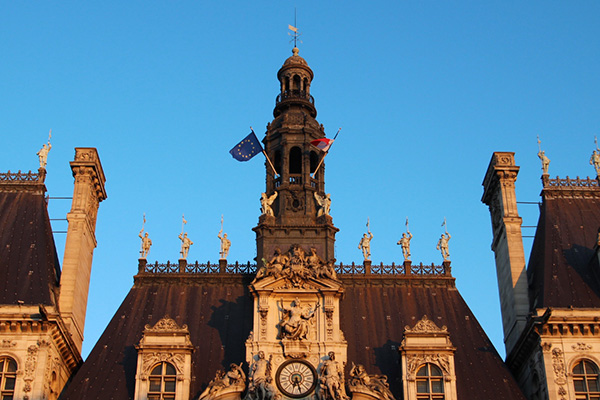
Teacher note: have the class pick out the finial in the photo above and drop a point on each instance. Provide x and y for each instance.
(295, 51)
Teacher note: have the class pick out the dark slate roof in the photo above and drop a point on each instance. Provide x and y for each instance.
(218, 311)
(29, 267)
(560, 270)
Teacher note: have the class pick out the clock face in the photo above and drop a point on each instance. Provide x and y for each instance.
(296, 378)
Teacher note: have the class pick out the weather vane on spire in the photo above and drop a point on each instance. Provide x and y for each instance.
(295, 35)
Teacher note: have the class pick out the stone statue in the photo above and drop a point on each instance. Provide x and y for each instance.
(442, 245)
(260, 378)
(595, 161)
(365, 245)
(294, 324)
(324, 203)
(545, 161)
(277, 263)
(185, 245)
(331, 379)
(225, 244)
(404, 242)
(374, 383)
(266, 202)
(234, 378)
(146, 244)
(43, 153)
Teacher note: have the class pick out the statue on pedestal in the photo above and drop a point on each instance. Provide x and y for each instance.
(331, 379)
(365, 243)
(225, 243)
(442, 244)
(374, 383)
(185, 245)
(260, 379)
(404, 242)
(542, 155)
(43, 153)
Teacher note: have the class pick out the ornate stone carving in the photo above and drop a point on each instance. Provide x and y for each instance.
(5, 343)
(260, 380)
(296, 320)
(581, 347)
(426, 326)
(224, 383)
(558, 365)
(266, 202)
(324, 203)
(414, 361)
(166, 323)
(149, 360)
(296, 267)
(331, 380)
(376, 385)
(30, 365)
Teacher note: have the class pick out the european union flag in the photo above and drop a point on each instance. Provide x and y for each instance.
(247, 148)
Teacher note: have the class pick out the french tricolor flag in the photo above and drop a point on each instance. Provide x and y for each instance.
(323, 144)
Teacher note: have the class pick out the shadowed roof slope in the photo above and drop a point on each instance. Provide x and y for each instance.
(29, 267)
(560, 268)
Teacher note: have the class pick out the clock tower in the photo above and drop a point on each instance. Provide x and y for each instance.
(299, 209)
(296, 349)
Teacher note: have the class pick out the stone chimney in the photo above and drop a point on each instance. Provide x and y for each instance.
(499, 196)
(88, 192)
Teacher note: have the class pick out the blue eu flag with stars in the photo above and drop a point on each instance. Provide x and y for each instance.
(247, 148)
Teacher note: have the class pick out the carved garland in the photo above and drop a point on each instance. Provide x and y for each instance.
(558, 365)
(30, 364)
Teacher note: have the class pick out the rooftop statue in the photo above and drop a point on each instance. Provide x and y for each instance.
(185, 245)
(296, 319)
(324, 203)
(146, 244)
(365, 244)
(266, 202)
(595, 159)
(43, 153)
(542, 155)
(225, 243)
(442, 245)
(331, 379)
(404, 242)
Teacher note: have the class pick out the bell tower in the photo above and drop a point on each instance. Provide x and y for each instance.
(300, 209)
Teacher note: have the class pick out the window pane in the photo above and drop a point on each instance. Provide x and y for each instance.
(157, 370)
(422, 387)
(9, 383)
(12, 366)
(153, 397)
(7, 397)
(435, 371)
(170, 370)
(579, 386)
(437, 386)
(422, 371)
(170, 386)
(578, 369)
(155, 385)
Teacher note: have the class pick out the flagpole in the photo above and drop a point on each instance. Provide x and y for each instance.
(327, 152)
(266, 156)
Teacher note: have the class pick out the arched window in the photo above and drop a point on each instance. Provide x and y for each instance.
(277, 161)
(8, 377)
(585, 380)
(162, 382)
(430, 383)
(297, 81)
(295, 160)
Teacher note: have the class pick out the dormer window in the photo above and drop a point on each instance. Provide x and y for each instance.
(428, 362)
(164, 362)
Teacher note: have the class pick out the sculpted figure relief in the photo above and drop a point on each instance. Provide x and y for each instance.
(296, 320)
(234, 378)
(260, 386)
(266, 202)
(185, 245)
(374, 383)
(324, 203)
(296, 266)
(146, 244)
(331, 379)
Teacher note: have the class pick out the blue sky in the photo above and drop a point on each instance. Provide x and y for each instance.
(424, 92)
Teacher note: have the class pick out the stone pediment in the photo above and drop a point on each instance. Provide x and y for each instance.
(296, 269)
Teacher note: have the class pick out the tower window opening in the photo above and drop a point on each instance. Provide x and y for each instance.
(286, 84)
(295, 160)
(297, 82)
(314, 161)
(305, 86)
(277, 161)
